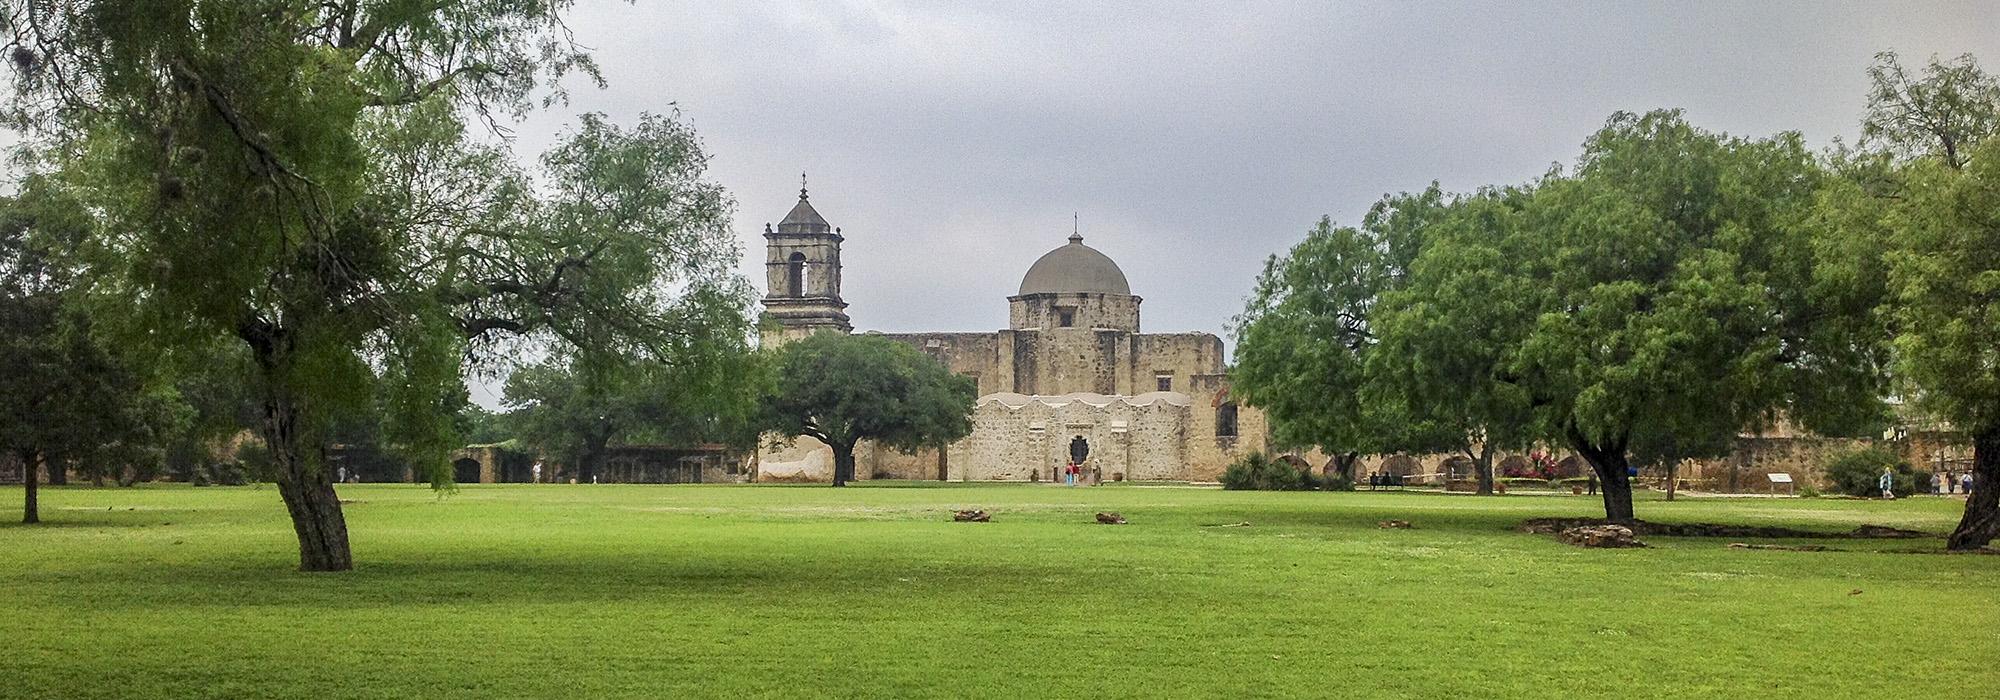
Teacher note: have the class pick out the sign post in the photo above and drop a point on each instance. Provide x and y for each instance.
(1780, 478)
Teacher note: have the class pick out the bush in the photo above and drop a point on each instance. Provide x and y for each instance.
(1336, 483)
(1857, 473)
(1256, 472)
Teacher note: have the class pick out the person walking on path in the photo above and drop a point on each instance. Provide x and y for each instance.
(1887, 481)
(1965, 483)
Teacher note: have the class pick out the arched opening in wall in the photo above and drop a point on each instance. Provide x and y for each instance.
(1514, 466)
(1571, 466)
(1401, 465)
(1225, 420)
(465, 470)
(1458, 468)
(795, 275)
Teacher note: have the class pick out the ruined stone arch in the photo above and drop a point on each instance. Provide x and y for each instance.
(1401, 465)
(1572, 466)
(1457, 468)
(465, 470)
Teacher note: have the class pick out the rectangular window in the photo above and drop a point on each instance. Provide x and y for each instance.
(1225, 420)
(1165, 380)
(1065, 316)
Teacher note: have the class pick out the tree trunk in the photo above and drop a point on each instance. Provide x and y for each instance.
(593, 459)
(843, 463)
(1673, 478)
(1343, 464)
(1482, 469)
(308, 492)
(1981, 522)
(31, 509)
(1615, 485)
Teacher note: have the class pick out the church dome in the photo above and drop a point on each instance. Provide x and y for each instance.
(1075, 268)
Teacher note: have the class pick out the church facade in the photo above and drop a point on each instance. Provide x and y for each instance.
(1072, 365)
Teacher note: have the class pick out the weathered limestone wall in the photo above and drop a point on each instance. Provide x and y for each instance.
(1038, 311)
(1182, 355)
(1016, 437)
(975, 355)
(1209, 453)
(1804, 457)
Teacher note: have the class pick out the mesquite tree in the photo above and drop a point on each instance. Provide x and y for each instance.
(1314, 352)
(298, 175)
(1933, 216)
(842, 389)
(1675, 300)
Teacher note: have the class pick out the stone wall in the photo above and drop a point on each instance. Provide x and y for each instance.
(1018, 438)
(1088, 311)
(975, 355)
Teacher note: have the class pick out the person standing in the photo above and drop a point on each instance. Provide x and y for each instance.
(1887, 482)
(535, 473)
(1965, 483)
(1937, 482)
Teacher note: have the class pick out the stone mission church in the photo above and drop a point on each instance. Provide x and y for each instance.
(1071, 363)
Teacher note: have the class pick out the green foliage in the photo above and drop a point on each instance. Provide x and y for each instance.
(484, 427)
(1859, 473)
(574, 408)
(1941, 115)
(74, 401)
(840, 389)
(1257, 472)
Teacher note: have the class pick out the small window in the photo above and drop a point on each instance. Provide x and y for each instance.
(1065, 316)
(1225, 420)
(1166, 381)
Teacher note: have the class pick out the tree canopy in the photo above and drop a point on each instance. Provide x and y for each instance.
(1932, 215)
(1321, 342)
(299, 176)
(842, 389)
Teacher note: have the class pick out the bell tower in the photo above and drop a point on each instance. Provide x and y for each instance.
(802, 275)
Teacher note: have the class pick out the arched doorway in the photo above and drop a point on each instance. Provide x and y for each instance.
(795, 274)
(465, 470)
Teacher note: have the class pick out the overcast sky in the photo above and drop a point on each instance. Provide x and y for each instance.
(953, 141)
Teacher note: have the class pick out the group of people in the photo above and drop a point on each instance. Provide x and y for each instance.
(1942, 483)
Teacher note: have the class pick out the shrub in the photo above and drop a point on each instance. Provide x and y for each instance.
(1857, 473)
(1256, 472)
(1336, 483)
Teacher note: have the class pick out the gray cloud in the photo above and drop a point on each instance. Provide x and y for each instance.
(953, 141)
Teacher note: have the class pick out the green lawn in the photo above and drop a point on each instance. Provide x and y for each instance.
(800, 591)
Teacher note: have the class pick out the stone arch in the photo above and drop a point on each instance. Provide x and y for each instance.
(1457, 468)
(795, 274)
(1515, 465)
(1401, 465)
(465, 470)
(1571, 466)
(1297, 462)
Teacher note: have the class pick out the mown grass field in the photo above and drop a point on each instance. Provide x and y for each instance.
(803, 591)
